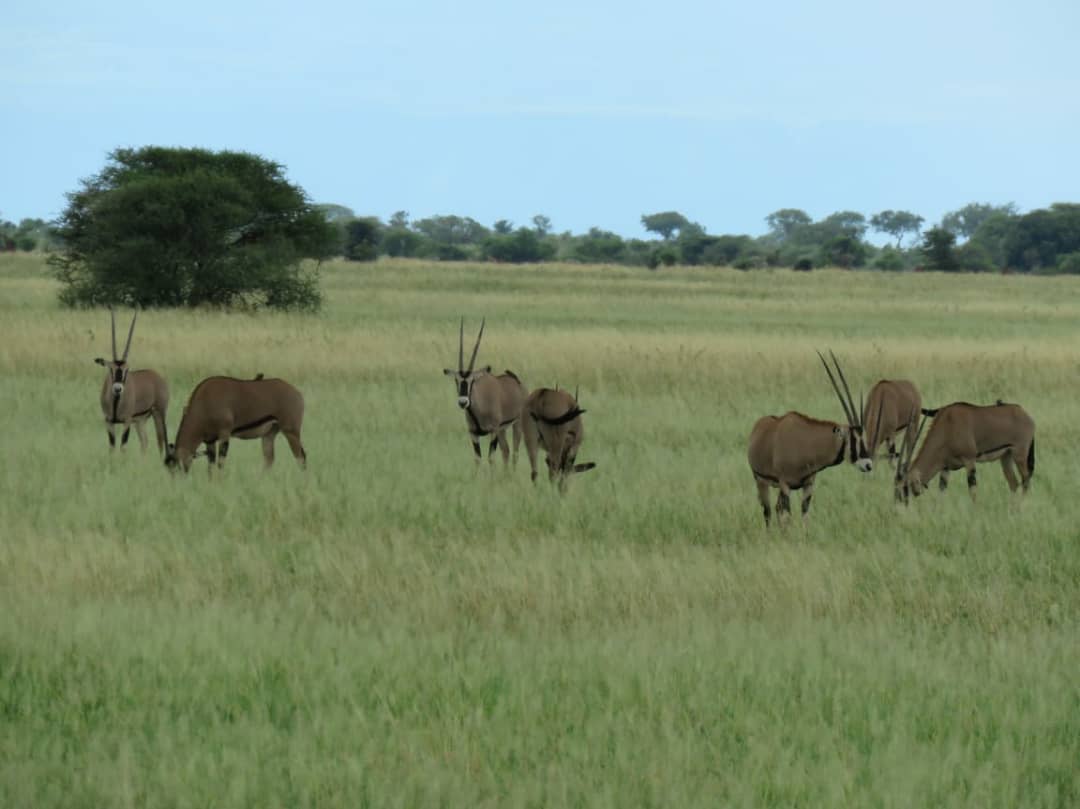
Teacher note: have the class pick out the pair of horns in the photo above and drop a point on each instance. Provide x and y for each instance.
(854, 416)
(461, 346)
(907, 451)
(131, 331)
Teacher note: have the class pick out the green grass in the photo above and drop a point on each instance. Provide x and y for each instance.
(391, 628)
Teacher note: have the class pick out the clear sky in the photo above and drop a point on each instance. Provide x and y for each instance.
(591, 113)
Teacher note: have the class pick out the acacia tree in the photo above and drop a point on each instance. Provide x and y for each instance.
(187, 227)
(665, 224)
(897, 224)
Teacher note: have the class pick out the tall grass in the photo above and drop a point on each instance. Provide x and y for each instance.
(395, 628)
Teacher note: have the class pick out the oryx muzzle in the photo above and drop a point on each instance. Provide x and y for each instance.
(963, 435)
(222, 408)
(551, 419)
(492, 403)
(131, 397)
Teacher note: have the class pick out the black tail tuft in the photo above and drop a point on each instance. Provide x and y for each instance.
(511, 374)
(926, 411)
(1031, 456)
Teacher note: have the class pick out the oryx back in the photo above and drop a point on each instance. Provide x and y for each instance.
(963, 435)
(551, 420)
(893, 405)
(222, 408)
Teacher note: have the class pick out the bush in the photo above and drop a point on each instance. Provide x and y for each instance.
(803, 265)
(889, 259)
(522, 246)
(362, 237)
(190, 227)
(974, 258)
(1069, 263)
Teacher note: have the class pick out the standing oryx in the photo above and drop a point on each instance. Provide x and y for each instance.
(222, 408)
(963, 435)
(552, 419)
(131, 397)
(789, 451)
(491, 403)
(893, 405)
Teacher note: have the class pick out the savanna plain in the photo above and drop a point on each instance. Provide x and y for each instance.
(394, 627)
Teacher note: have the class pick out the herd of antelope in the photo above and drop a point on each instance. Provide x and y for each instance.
(785, 452)
(222, 408)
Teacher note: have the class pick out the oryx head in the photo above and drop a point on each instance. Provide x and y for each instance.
(855, 440)
(118, 367)
(465, 377)
(908, 482)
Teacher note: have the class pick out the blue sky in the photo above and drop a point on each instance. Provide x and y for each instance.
(590, 113)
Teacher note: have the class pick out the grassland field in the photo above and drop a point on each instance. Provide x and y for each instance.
(393, 628)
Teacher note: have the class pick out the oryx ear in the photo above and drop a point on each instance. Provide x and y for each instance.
(486, 369)
(100, 361)
(449, 372)
(836, 430)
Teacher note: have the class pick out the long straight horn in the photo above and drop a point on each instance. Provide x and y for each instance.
(914, 443)
(877, 423)
(461, 347)
(472, 359)
(847, 390)
(112, 315)
(836, 388)
(576, 400)
(131, 331)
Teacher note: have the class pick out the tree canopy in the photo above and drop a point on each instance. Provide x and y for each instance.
(188, 227)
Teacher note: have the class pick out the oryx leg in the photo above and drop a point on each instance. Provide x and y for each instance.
(494, 445)
(763, 498)
(943, 480)
(211, 456)
(807, 495)
(127, 432)
(892, 451)
(1009, 469)
(159, 430)
(516, 429)
(970, 466)
(504, 446)
(112, 434)
(268, 447)
(297, 448)
(140, 428)
(477, 452)
(783, 502)
(532, 439)
(1025, 462)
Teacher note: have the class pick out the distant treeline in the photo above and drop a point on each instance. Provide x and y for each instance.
(976, 238)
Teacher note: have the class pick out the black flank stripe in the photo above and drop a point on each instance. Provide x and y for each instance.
(253, 424)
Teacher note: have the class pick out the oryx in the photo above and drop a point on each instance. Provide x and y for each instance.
(222, 408)
(552, 419)
(491, 403)
(788, 451)
(963, 435)
(891, 406)
(131, 397)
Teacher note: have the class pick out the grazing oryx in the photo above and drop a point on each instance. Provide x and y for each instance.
(963, 435)
(789, 451)
(222, 408)
(131, 397)
(893, 405)
(552, 419)
(491, 403)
